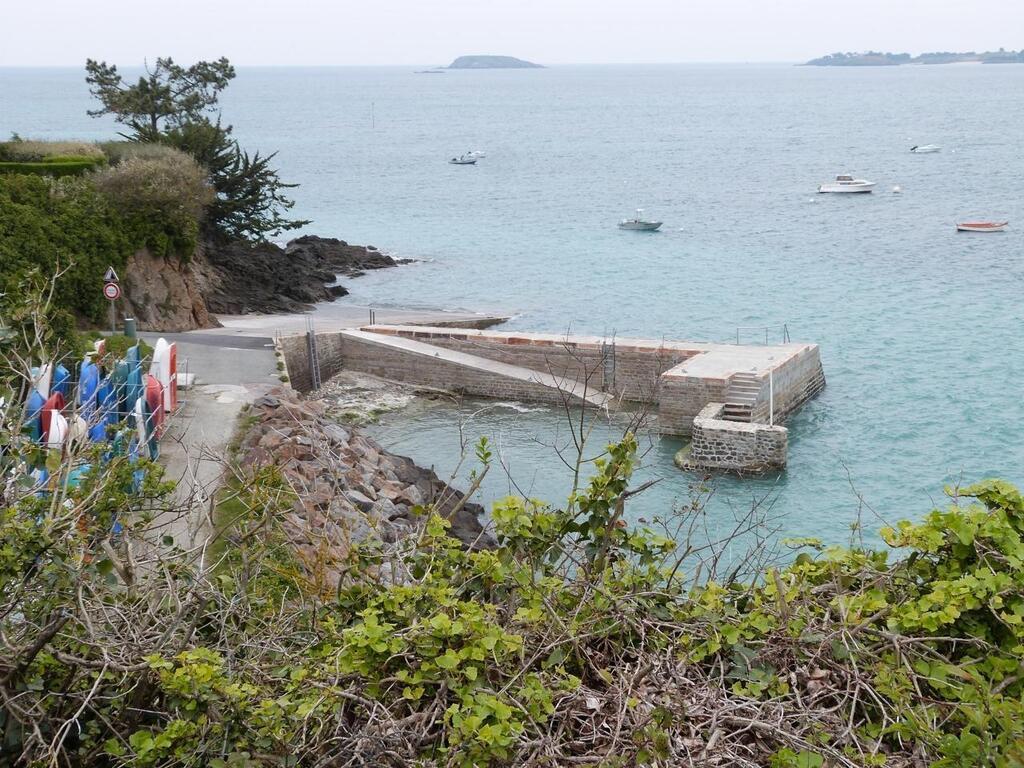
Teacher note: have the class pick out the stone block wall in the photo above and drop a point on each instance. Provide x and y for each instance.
(385, 361)
(295, 351)
(638, 365)
(734, 446)
(795, 381)
(682, 397)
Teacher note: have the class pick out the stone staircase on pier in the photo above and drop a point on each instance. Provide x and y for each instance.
(741, 397)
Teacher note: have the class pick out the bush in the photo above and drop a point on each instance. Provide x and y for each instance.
(65, 166)
(166, 184)
(65, 223)
(25, 150)
(119, 151)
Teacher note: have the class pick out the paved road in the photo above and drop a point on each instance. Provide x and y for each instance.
(229, 372)
(335, 317)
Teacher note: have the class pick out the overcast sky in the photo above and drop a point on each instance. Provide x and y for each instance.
(547, 31)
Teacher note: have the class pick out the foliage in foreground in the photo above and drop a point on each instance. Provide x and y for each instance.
(579, 640)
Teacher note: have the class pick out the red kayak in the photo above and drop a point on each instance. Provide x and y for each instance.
(54, 404)
(155, 401)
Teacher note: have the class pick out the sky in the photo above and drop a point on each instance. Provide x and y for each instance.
(375, 32)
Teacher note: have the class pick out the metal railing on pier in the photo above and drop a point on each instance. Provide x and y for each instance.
(768, 331)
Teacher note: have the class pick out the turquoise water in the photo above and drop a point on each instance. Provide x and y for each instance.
(920, 328)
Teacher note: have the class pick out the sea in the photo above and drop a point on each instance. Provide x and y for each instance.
(921, 329)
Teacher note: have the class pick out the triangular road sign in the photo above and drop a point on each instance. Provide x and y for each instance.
(111, 276)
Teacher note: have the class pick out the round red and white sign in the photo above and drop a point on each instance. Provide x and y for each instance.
(112, 291)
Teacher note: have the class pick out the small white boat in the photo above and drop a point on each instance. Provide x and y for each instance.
(477, 154)
(925, 149)
(463, 160)
(846, 183)
(981, 226)
(639, 223)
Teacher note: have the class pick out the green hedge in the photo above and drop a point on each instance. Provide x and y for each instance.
(58, 166)
(46, 223)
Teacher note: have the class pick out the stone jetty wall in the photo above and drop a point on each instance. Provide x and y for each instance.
(717, 444)
(629, 369)
(795, 381)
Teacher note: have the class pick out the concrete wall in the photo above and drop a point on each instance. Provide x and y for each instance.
(734, 446)
(635, 375)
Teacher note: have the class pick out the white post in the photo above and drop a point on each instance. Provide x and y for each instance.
(771, 397)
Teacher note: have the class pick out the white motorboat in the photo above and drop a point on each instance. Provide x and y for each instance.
(463, 160)
(846, 183)
(981, 226)
(478, 154)
(925, 149)
(639, 223)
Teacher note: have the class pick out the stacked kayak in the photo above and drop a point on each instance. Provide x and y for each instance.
(106, 402)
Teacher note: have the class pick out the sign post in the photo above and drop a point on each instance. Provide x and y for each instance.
(112, 291)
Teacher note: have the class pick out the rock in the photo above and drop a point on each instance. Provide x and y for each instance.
(165, 294)
(239, 278)
(361, 500)
(347, 487)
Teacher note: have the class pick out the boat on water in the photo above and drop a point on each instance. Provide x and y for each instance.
(846, 183)
(981, 226)
(925, 149)
(639, 223)
(463, 160)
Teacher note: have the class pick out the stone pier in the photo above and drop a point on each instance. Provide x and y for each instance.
(753, 384)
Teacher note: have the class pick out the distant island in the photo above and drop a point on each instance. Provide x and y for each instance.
(878, 59)
(492, 62)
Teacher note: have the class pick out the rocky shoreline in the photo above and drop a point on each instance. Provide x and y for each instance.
(266, 278)
(346, 487)
(175, 294)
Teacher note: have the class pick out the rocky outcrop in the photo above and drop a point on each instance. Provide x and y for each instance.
(174, 294)
(241, 278)
(165, 294)
(346, 487)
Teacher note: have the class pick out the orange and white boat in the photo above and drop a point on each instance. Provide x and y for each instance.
(981, 226)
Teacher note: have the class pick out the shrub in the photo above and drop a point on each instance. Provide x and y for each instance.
(119, 151)
(65, 166)
(26, 150)
(66, 224)
(166, 184)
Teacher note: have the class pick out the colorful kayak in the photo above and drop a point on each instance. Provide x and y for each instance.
(33, 413)
(41, 376)
(61, 380)
(155, 403)
(57, 431)
(54, 405)
(88, 384)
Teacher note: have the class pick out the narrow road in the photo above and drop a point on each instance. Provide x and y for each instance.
(229, 372)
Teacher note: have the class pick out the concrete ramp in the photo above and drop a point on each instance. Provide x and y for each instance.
(415, 362)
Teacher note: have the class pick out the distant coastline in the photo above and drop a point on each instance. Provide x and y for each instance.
(879, 59)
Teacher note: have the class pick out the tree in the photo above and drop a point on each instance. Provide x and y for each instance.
(249, 201)
(167, 96)
(178, 106)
